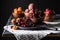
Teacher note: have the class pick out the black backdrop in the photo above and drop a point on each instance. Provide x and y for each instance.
(8, 5)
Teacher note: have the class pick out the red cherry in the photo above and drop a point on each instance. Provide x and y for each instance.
(11, 26)
(23, 24)
(19, 23)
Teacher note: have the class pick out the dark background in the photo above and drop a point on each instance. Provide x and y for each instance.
(7, 6)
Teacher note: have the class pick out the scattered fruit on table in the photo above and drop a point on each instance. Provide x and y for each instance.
(15, 27)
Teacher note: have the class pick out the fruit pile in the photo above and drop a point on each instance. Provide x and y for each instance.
(18, 12)
(28, 18)
(25, 22)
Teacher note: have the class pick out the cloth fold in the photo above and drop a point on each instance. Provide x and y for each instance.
(29, 34)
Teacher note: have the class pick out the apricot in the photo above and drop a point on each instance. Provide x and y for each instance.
(15, 11)
(15, 27)
(31, 6)
(13, 21)
(18, 19)
(19, 10)
(15, 15)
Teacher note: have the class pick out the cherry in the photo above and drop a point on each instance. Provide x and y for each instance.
(11, 26)
(23, 24)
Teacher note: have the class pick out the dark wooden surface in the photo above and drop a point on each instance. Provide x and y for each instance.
(48, 37)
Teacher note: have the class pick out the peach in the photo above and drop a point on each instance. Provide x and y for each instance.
(33, 20)
(26, 13)
(31, 6)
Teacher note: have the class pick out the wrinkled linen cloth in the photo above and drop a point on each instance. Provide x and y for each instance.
(29, 34)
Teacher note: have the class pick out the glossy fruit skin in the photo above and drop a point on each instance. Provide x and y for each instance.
(29, 17)
(13, 21)
(49, 15)
(15, 27)
(18, 12)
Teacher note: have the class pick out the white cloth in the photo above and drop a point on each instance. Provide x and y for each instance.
(29, 34)
(52, 23)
